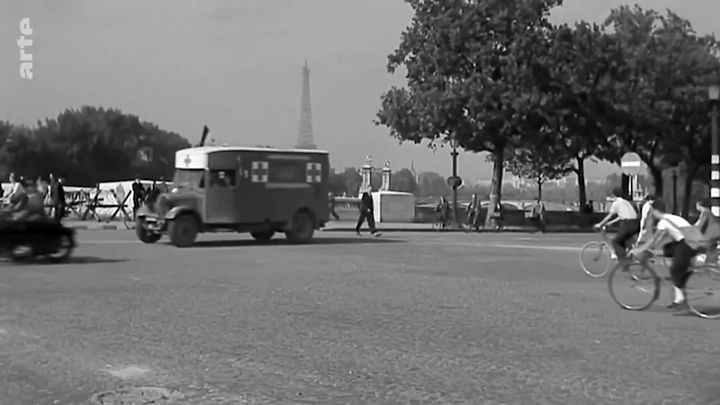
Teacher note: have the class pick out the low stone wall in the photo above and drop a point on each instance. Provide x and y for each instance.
(517, 218)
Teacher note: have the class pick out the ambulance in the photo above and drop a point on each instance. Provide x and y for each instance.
(262, 191)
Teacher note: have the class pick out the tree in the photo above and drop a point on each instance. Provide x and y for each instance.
(474, 72)
(541, 164)
(432, 184)
(92, 145)
(336, 182)
(353, 181)
(586, 66)
(404, 180)
(654, 52)
(690, 60)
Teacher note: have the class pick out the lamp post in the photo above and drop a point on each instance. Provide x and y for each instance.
(674, 196)
(714, 96)
(455, 183)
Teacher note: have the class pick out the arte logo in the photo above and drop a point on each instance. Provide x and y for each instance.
(26, 58)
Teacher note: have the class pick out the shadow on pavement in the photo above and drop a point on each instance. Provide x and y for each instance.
(284, 242)
(71, 260)
(92, 260)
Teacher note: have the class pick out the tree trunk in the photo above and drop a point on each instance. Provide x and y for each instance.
(657, 176)
(540, 184)
(496, 186)
(582, 191)
(690, 172)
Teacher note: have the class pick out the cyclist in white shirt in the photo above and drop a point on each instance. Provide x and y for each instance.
(668, 234)
(624, 213)
(646, 219)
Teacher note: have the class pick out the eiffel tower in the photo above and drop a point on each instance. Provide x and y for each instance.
(305, 132)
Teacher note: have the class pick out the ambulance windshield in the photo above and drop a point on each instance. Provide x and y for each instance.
(188, 178)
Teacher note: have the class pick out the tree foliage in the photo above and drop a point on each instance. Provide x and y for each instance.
(495, 75)
(537, 164)
(90, 145)
(474, 73)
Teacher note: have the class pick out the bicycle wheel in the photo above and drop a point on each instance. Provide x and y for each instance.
(595, 259)
(635, 289)
(703, 292)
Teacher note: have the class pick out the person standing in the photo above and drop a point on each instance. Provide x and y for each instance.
(537, 213)
(443, 210)
(16, 186)
(138, 192)
(623, 212)
(367, 212)
(49, 197)
(470, 211)
(58, 196)
(499, 217)
(152, 195)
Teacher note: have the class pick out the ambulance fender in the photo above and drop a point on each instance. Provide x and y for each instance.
(177, 211)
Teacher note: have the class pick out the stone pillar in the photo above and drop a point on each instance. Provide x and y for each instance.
(386, 172)
(366, 178)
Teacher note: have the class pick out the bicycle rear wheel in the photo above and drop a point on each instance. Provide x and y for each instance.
(635, 289)
(703, 292)
(595, 259)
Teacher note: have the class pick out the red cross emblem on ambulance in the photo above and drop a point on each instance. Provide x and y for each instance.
(259, 172)
(313, 172)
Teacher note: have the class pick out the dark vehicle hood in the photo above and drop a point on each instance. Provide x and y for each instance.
(168, 201)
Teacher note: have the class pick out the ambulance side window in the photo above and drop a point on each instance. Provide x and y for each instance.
(222, 178)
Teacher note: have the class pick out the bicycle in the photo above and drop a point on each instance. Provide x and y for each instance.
(643, 285)
(594, 251)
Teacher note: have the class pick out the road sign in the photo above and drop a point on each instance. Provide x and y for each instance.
(454, 181)
(631, 164)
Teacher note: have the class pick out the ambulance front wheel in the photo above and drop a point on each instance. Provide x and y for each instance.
(183, 230)
(145, 235)
(302, 227)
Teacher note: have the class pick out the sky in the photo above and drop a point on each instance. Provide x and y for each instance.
(235, 66)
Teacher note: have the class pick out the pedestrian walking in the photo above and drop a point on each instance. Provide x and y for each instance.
(331, 202)
(367, 212)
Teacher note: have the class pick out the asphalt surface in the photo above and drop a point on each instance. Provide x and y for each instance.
(405, 318)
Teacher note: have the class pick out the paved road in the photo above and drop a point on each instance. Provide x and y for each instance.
(407, 318)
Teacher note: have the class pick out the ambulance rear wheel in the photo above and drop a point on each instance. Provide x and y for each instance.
(183, 231)
(262, 236)
(302, 228)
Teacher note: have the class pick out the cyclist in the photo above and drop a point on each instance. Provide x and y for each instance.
(623, 212)
(670, 234)
(703, 207)
(708, 225)
(646, 219)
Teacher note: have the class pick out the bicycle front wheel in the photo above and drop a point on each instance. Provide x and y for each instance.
(703, 292)
(595, 259)
(634, 289)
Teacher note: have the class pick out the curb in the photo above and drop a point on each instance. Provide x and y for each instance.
(122, 227)
(512, 230)
(101, 227)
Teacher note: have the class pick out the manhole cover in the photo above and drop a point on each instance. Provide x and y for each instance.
(134, 396)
